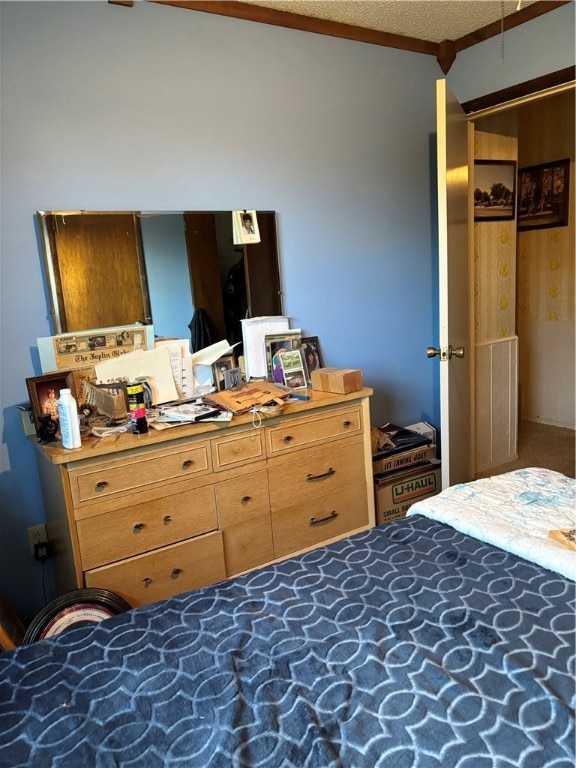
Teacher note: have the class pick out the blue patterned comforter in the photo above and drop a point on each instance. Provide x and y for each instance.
(408, 646)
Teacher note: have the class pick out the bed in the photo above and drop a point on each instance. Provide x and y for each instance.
(412, 645)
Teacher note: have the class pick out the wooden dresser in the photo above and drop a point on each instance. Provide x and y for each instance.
(148, 516)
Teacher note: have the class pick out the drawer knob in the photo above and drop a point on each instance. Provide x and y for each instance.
(288, 439)
(175, 573)
(101, 485)
(147, 581)
(245, 499)
(346, 424)
(137, 527)
(187, 464)
(319, 520)
(167, 519)
(310, 478)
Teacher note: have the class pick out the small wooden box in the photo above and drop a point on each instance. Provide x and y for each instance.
(340, 380)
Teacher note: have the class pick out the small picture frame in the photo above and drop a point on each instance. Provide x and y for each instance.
(293, 368)
(275, 343)
(223, 364)
(494, 190)
(312, 355)
(232, 378)
(543, 195)
(44, 392)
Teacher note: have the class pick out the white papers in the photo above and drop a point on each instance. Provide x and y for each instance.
(245, 227)
(193, 373)
(177, 350)
(153, 365)
(254, 329)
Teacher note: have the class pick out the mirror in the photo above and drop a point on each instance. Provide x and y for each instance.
(110, 268)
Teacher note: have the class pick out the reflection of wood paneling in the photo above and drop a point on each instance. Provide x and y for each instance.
(262, 277)
(205, 268)
(98, 270)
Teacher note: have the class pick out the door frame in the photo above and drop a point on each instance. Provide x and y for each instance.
(503, 101)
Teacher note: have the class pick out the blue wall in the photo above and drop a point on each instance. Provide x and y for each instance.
(159, 108)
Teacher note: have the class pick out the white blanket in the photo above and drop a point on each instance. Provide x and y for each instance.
(514, 511)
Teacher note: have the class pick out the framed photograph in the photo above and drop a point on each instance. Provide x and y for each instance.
(312, 355)
(494, 189)
(219, 368)
(543, 195)
(293, 368)
(44, 392)
(275, 343)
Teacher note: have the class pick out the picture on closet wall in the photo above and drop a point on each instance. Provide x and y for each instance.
(543, 195)
(494, 190)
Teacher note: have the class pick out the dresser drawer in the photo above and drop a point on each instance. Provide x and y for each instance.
(291, 435)
(306, 525)
(314, 472)
(242, 498)
(123, 533)
(248, 544)
(237, 450)
(104, 479)
(164, 572)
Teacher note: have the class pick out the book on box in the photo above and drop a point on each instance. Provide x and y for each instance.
(394, 439)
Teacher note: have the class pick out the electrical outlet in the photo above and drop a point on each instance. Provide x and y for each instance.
(36, 535)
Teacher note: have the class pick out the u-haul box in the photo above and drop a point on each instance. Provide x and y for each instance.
(396, 493)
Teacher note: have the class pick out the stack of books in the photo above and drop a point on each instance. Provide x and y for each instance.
(405, 468)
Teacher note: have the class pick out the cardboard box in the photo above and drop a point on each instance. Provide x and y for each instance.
(396, 493)
(390, 463)
(340, 380)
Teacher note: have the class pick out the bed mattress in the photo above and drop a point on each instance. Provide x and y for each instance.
(515, 511)
(411, 645)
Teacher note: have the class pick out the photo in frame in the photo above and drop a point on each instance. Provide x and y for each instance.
(293, 368)
(44, 392)
(283, 341)
(494, 190)
(543, 195)
(312, 355)
(219, 368)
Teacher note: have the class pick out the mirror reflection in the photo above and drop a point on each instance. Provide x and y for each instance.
(107, 268)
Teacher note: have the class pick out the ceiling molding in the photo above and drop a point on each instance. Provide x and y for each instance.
(516, 92)
(444, 52)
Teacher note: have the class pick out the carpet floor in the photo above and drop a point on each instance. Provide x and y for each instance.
(541, 445)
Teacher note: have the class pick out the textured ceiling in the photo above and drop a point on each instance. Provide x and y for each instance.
(431, 20)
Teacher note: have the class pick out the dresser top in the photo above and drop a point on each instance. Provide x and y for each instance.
(93, 447)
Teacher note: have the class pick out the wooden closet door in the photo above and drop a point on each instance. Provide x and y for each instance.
(116, 292)
(205, 279)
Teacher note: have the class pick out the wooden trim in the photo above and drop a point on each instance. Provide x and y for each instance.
(542, 83)
(264, 15)
(444, 52)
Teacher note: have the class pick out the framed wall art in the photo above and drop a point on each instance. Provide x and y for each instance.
(494, 189)
(44, 392)
(543, 195)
